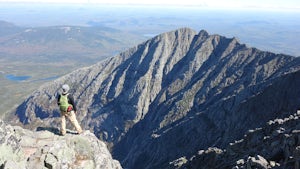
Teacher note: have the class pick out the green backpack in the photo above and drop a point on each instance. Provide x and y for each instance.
(64, 105)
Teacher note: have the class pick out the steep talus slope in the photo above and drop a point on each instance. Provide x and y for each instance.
(21, 148)
(171, 96)
(274, 145)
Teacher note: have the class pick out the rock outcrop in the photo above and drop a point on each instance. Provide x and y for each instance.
(21, 148)
(275, 145)
(172, 95)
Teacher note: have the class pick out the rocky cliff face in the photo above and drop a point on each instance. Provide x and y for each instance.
(274, 145)
(21, 148)
(174, 94)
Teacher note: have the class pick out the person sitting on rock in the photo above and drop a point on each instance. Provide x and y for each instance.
(67, 108)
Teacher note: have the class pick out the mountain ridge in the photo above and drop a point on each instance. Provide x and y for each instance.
(208, 117)
(139, 100)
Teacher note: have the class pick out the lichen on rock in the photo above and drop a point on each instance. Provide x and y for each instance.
(21, 148)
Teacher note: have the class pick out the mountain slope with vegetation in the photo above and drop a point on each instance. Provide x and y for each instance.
(173, 95)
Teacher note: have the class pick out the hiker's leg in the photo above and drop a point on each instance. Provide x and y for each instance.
(74, 121)
(63, 125)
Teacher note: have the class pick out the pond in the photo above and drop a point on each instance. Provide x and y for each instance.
(24, 78)
(17, 78)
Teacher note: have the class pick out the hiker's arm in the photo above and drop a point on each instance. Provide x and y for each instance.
(71, 101)
(58, 99)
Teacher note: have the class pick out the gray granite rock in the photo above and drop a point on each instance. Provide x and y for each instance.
(21, 148)
(259, 148)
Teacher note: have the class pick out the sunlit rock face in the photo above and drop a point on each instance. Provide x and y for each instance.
(21, 148)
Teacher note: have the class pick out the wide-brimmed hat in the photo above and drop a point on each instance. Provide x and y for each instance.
(65, 88)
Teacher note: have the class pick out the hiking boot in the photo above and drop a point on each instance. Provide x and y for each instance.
(79, 132)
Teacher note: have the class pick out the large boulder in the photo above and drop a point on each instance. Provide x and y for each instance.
(21, 148)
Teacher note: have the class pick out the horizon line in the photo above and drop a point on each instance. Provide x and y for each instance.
(252, 7)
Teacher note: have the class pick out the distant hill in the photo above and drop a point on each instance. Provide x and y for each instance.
(7, 28)
(173, 95)
(62, 43)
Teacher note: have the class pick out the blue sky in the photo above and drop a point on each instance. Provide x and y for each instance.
(263, 4)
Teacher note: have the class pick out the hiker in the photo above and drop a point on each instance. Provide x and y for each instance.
(67, 108)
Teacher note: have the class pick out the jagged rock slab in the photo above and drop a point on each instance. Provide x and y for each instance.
(21, 148)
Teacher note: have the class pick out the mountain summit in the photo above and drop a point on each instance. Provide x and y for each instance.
(173, 95)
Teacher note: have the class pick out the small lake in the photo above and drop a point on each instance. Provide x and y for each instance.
(17, 78)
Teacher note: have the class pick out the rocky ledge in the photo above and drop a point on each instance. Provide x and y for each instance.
(276, 145)
(21, 148)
